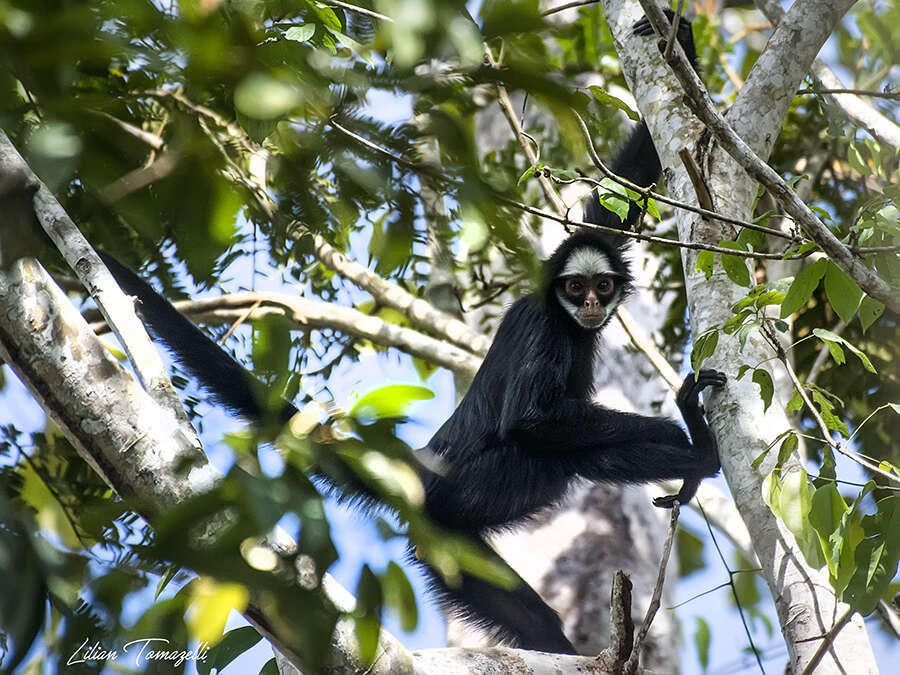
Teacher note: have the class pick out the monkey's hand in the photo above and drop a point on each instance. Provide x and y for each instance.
(688, 398)
(685, 494)
(704, 443)
(685, 35)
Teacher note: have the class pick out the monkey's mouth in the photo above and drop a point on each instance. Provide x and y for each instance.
(591, 320)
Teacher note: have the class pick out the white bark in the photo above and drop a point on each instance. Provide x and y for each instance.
(804, 601)
(117, 308)
(313, 314)
(855, 108)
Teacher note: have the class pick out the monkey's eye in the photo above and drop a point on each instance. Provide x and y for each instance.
(574, 286)
(605, 286)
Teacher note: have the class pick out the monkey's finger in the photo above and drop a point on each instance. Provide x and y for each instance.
(666, 502)
(642, 27)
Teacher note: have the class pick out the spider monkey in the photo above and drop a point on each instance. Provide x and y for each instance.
(527, 427)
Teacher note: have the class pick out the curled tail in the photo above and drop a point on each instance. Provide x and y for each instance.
(226, 381)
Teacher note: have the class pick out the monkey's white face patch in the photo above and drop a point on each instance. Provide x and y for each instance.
(586, 262)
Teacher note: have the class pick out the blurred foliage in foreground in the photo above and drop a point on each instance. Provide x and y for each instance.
(156, 122)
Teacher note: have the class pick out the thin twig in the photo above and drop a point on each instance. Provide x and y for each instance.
(240, 321)
(734, 593)
(566, 221)
(894, 95)
(646, 192)
(509, 112)
(150, 139)
(670, 41)
(632, 664)
(569, 5)
(359, 10)
(701, 189)
(643, 342)
(827, 641)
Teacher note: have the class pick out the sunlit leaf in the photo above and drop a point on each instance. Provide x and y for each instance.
(394, 400)
(211, 603)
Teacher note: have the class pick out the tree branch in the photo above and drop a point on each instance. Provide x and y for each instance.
(854, 108)
(118, 309)
(803, 598)
(315, 315)
(700, 104)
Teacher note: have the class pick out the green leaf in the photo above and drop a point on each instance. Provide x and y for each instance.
(790, 500)
(869, 311)
(367, 616)
(391, 401)
(766, 387)
(843, 293)
(300, 33)
(800, 250)
(528, 173)
(603, 97)
(232, 645)
(701, 642)
(211, 603)
(399, 594)
(796, 402)
(734, 323)
(705, 263)
(752, 238)
(424, 369)
(735, 266)
(651, 207)
(876, 557)
(327, 16)
(836, 352)
(164, 580)
(826, 512)
(270, 668)
(759, 459)
(788, 447)
(262, 97)
(744, 331)
(690, 552)
(855, 158)
(613, 197)
(802, 288)
(826, 410)
(704, 347)
(829, 337)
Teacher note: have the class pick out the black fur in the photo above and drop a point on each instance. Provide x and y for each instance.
(526, 427)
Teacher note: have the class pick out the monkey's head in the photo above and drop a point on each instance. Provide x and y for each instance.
(589, 277)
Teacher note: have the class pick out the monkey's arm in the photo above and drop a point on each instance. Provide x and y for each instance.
(602, 444)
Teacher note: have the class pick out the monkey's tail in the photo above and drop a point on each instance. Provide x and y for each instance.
(516, 616)
(227, 382)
